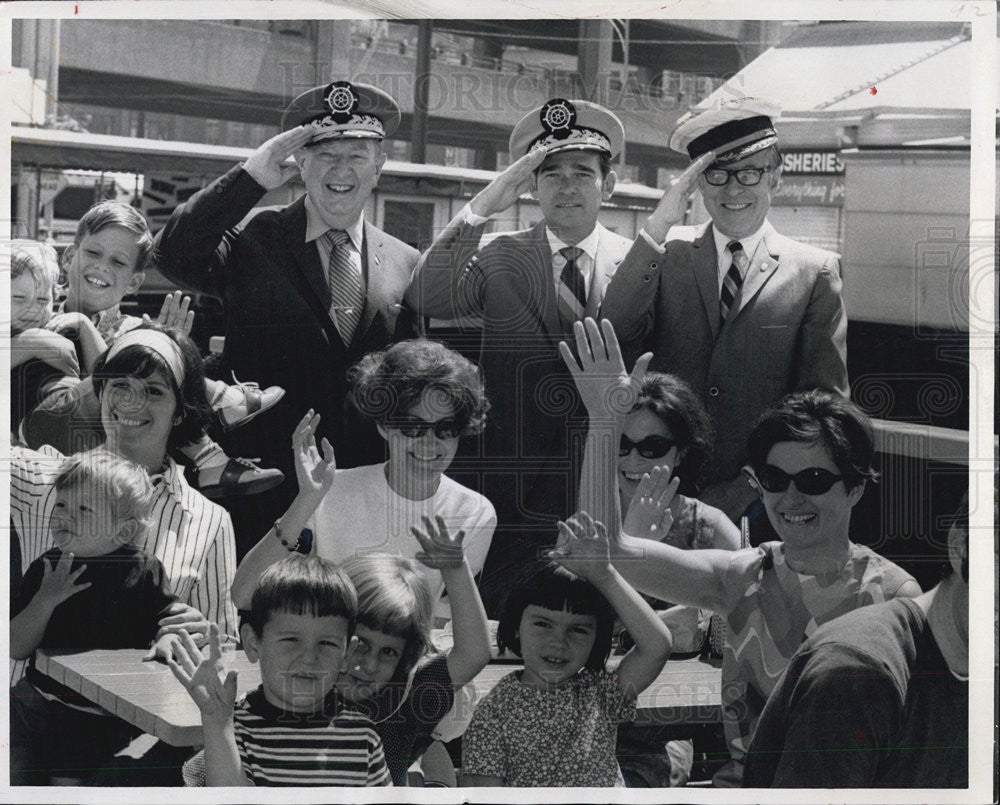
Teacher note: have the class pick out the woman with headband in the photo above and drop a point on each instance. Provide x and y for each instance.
(151, 391)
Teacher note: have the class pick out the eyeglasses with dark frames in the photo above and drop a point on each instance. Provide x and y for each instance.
(748, 177)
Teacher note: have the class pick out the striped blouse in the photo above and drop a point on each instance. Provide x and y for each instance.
(191, 536)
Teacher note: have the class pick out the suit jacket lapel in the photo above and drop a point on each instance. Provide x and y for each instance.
(705, 265)
(762, 265)
(606, 262)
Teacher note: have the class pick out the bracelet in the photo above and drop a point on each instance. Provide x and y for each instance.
(292, 547)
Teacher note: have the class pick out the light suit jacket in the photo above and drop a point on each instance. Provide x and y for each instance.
(787, 331)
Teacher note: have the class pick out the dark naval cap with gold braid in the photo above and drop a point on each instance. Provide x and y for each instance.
(343, 110)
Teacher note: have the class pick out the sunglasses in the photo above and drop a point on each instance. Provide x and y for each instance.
(748, 177)
(415, 428)
(812, 481)
(650, 447)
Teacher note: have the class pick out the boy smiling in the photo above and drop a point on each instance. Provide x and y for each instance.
(292, 730)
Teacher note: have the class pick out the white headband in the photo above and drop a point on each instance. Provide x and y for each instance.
(161, 343)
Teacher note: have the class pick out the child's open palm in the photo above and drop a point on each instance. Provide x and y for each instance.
(583, 547)
(314, 470)
(58, 582)
(440, 550)
(205, 678)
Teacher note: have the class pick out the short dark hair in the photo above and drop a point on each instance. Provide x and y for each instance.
(303, 585)
(603, 159)
(552, 586)
(118, 213)
(386, 384)
(819, 416)
(394, 597)
(142, 362)
(678, 407)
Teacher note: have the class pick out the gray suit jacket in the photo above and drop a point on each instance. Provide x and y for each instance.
(527, 458)
(787, 331)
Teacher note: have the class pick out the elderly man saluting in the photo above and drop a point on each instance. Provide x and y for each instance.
(307, 289)
(740, 312)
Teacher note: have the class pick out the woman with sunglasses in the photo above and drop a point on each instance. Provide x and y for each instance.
(424, 398)
(810, 459)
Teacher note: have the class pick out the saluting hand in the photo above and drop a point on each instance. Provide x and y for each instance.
(674, 203)
(510, 185)
(267, 165)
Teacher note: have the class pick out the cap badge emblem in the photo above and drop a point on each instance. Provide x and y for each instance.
(558, 117)
(342, 99)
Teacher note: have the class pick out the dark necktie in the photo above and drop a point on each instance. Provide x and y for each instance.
(733, 280)
(347, 297)
(572, 290)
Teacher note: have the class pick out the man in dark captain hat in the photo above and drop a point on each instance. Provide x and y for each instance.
(528, 288)
(307, 289)
(742, 313)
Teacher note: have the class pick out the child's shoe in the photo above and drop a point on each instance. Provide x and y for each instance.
(237, 404)
(216, 475)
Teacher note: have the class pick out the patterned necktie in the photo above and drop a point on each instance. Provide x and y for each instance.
(572, 290)
(734, 278)
(347, 297)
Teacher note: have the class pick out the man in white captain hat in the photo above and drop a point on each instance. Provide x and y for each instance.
(740, 312)
(307, 289)
(528, 288)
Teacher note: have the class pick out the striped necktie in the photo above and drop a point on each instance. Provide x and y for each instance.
(572, 289)
(734, 278)
(347, 296)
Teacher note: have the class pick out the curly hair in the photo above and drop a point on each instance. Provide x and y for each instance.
(142, 362)
(386, 385)
(678, 407)
(819, 416)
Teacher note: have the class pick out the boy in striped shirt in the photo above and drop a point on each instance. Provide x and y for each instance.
(293, 729)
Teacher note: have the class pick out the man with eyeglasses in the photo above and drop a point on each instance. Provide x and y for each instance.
(740, 312)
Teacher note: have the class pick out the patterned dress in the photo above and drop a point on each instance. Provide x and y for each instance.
(563, 735)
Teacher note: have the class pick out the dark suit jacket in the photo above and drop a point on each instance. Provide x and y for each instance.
(526, 456)
(278, 330)
(788, 331)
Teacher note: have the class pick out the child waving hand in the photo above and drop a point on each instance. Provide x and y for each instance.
(554, 723)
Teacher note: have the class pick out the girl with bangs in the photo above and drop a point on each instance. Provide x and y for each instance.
(555, 722)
